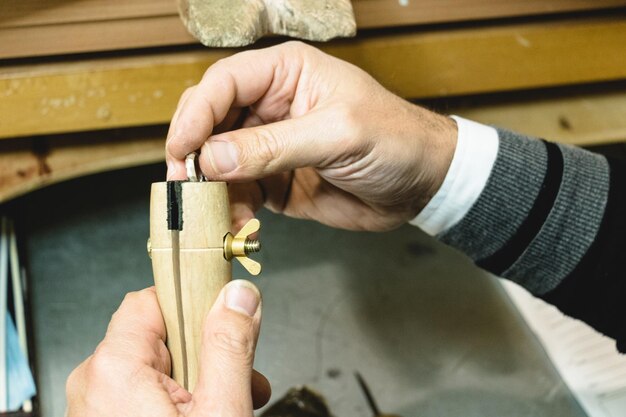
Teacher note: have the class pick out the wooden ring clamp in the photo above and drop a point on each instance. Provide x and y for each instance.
(191, 248)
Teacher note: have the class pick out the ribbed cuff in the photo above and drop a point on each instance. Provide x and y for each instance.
(507, 198)
(538, 214)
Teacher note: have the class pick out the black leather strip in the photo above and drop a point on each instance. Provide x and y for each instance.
(174, 205)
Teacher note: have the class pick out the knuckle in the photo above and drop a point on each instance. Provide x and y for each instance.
(221, 68)
(188, 91)
(233, 342)
(173, 146)
(295, 44)
(101, 363)
(299, 48)
(139, 297)
(265, 147)
(348, 123)
(130, 299)
(215, 66)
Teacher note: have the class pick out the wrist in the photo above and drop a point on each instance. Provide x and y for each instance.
(474, 157)
(439, 141)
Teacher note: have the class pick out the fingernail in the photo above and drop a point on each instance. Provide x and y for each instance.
(224, 156)
(242, 297)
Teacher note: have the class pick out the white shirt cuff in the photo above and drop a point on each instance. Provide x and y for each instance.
(475, 154)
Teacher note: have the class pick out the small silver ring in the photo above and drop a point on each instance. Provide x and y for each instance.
(190, 165)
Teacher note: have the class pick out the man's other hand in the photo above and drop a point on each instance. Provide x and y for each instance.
(128, 375)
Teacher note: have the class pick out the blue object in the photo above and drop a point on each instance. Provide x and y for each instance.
(20, 383)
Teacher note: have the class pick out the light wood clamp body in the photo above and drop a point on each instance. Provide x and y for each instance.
(189, 228)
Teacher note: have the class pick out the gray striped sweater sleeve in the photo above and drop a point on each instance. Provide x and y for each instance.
(547, 219)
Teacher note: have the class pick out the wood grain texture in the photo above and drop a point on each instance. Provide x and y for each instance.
(97, 94)
(369, 13)
(134, 91)
(50, 27)
(511, 57)
(577, 120)
(95, 36)
(200, 266)
(385, 13)
(31, 163)
(24, 13)
(28, 164)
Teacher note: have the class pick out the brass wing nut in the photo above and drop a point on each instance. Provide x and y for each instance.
(240, 246)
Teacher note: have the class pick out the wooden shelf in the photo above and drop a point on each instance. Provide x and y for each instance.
(125, 101)
(52, 27)
(29, 164)
(143, 90)
(585, 118)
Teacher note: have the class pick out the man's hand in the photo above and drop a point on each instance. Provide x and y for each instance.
(314, 137)
(128, 373)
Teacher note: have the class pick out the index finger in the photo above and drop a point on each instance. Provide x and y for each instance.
(137, 330)
(239, 80)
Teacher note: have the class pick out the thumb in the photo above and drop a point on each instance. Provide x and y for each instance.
(319, 139)
(230, 333)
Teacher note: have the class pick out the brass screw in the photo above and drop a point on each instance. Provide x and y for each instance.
(251, 246)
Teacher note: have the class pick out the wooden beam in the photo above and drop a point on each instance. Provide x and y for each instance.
(98, 94)
(52, 27)
(385, 13)
(28, 164)
(369, 13)
(103, 35)
(135, 91)
(488, 59)
(32, 13)
(576, 120)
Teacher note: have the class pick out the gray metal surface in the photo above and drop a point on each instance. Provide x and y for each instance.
(431, 334)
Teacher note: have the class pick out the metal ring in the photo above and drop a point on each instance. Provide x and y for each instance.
(190, 165)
